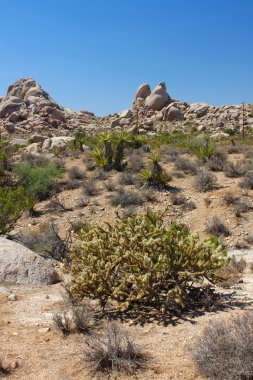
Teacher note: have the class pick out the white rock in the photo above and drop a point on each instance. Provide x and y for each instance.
(19, 264)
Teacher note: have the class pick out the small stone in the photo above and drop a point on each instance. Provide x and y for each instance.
(44, 330)
(15, 333)
(12, 297)
(47, 297)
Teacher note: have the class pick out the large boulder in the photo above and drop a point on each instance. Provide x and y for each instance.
(9, 105)
(159, 98)
(172, 114)
(143, 91)
(198, 109)
(59, 143)
(19, 264)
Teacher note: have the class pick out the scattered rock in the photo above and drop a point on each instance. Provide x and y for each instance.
(12, 297)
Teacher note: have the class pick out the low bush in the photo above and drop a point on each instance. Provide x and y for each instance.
(45, 240)
(232, 170)
(230, 198)
(13, 202)
(139, 260)
(110, 185)
(79, 318)
(125, 198)
(217, 228)
(205, 181)
(127, 179)
(247, 181)
(218, 161)
(89, 187)
(39, 180)
(241, 208)
(185, 165)
(224, 350)
(76, 173)
(113, 351)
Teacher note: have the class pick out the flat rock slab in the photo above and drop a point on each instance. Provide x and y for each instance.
(19, 264)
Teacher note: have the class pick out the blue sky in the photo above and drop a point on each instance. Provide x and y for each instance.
(93, 54)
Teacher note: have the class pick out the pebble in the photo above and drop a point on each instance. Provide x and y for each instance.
(12, 297)
(44, 330)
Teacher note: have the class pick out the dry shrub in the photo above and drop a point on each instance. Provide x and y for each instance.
(247, 181)
(127, 179)
(230, 198)
(126, 198)
(90, 187)
(178, 199)
(113, 351)
(224, 350)
(205, 181)
(110, 185)
(79, 318)
(232, 170)
(185, 165)
(7, 366)
(217, 228)
(231, 274)
(218, 161)
(76, 173)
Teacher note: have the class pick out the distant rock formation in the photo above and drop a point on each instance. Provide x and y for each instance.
(28, 107)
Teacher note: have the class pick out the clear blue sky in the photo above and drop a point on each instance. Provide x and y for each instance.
(93, 54)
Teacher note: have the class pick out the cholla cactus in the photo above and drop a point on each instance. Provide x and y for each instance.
(139, 260)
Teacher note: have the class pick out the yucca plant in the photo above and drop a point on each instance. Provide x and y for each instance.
(204, 148)
(155, 175)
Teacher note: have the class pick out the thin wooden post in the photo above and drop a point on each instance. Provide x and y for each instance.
(243, 120)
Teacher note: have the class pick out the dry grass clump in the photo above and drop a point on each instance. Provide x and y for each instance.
(232, 273)
(224, 350)
(89, 187)
(135, 161)
(218, 161)
(7, 366)
(205, 181)
(79, 318)
(217, 228)
(232, 170)
(247, 181)
(185, 165)
(76, 173)
(230, 198)
(125, 198)
(110, 185)
(127, 178)
(113, 351)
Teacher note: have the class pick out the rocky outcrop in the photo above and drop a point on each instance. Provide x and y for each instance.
(19, 264)
(26, 105)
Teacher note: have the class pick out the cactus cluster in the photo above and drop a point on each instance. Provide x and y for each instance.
(140, 260)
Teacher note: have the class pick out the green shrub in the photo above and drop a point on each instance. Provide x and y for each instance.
(13, 203)
(38, 180)
(140, 260)
(203, 148)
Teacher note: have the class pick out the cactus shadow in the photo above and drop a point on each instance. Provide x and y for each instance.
(152, 313)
